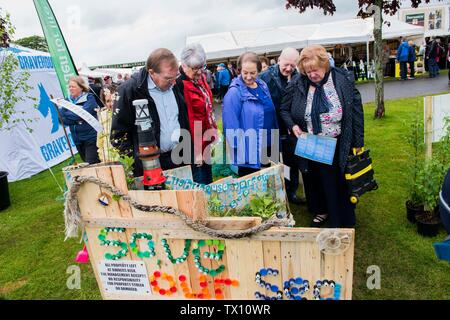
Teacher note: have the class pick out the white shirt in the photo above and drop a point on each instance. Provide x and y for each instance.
(167, 108)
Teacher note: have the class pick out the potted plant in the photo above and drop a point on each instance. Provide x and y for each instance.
(430, 180)
(429, 183)
(415, 140)
(13, 89)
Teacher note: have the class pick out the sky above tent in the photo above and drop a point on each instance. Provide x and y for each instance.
(100, 32)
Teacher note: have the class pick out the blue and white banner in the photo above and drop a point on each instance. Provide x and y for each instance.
(79, 111)
(24, 154)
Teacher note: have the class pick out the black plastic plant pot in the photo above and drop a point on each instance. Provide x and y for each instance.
(5, 201)
(428, 225)
(412, 211)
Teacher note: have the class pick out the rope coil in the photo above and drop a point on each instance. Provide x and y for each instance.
(72, 214)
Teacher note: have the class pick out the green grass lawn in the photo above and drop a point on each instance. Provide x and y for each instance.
(34, 257)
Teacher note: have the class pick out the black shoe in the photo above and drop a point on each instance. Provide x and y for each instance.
(296, 200)
(319, 221)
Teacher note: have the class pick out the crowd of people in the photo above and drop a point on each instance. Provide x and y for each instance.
(432, 51)
(300, 93)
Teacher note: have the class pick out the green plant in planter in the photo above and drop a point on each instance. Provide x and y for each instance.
(264, 205)
(442, 149)
(415, 139)
(127, 162)
(429, 182)
(214, 204)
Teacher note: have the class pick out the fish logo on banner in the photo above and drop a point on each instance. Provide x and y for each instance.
(46, 106)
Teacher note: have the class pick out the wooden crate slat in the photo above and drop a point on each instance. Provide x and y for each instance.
(113, 209)
(244, 259)
(95, 256)
(272, 260)
(120, 182)
(190, 204)
(348, 263)
(88, 195)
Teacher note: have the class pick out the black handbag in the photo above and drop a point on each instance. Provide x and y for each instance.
(359, 175)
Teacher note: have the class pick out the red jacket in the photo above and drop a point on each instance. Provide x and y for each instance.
(196, 105)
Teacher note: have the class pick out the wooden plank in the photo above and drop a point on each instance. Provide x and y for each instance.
(272, 260)
(181, 231)
(95, 255)
(182, 269)
(176, 246)
(164, 221)
(194, 273)
(233, 223)
(244, 258)
(428, 127)
(169, 199)
(192, 203)
(210, 264)
(290, 260)
(309, 254)
(152, 198)
(120, 182)
(226, 292)
(328, 266)
(104, 174)
(88, 195)
(97, 252)
(347, 286)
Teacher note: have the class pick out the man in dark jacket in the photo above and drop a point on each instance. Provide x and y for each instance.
(433, 57)
(156, 82)
(412, 59)
(96, 88)
(277, 78)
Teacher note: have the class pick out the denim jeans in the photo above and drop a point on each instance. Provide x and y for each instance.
(433, 68)
(412, 68)
(403, 70)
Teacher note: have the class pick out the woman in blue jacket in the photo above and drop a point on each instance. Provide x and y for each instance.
(84, 136)
(249, 118)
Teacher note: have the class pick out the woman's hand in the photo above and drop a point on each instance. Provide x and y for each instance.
(297, 131)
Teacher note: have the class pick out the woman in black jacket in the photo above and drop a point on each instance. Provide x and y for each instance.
(324, 101)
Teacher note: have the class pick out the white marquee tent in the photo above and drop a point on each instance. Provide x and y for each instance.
(24, 153)
(233, 43)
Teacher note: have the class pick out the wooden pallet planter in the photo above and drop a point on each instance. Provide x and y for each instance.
(287, 254)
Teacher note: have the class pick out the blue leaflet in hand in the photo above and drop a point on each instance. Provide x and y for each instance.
(316, 148)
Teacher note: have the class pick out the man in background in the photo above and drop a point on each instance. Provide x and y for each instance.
(277, 77)
(156, 83)
(223, 80)
(402, 58)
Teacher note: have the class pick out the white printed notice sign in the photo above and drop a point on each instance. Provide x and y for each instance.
(124, 277)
